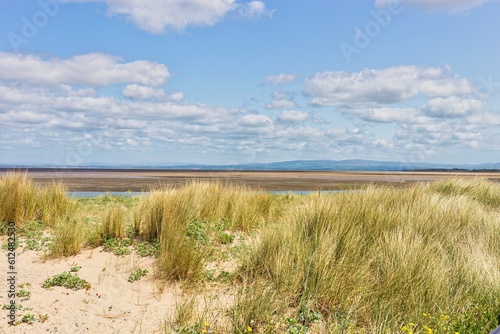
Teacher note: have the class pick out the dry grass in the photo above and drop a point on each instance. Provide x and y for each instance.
(21, 200)
(67, 237)
(380, 260)
(383, 257)
(114, 222)
(166, 215)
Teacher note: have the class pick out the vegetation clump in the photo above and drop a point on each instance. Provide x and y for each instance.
(67, 280)
(137, 275)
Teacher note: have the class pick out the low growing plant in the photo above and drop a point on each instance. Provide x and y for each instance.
(119, 247)
(137, 275)
(67, 280)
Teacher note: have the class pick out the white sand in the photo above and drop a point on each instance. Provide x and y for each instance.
(111, 305)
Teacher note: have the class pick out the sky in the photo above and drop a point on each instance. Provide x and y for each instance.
(233, 82)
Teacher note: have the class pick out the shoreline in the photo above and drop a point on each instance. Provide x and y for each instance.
(120, 180)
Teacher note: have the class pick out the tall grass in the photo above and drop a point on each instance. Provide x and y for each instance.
(18, 198)
(114, 222)
(166, 215)
(374, 261)
(384, 256)
(67, 237)
(21, 200)
(54, 203)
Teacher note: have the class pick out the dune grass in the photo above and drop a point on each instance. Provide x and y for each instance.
(21, 200)
(114, 222)
(419, 259)
(380, 259)
(67, 237)
(167, 216)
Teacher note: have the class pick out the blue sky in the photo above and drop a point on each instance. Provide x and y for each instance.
(226, 81)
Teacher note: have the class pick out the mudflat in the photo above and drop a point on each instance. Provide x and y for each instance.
(145, 180)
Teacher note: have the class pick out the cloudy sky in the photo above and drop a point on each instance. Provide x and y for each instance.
(228, 81)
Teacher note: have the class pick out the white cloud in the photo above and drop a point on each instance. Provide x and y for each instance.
(155, 16)
(176, 96)
(254, 9)
(135, 91)
(281, 104)
(485, 119)
(293, 116)
(55, 111)
(94, 69)
(453, 6)
(280, 79)
(380, 87)
(389, 115)
(255, 120)
(451, 107)
(282, 100)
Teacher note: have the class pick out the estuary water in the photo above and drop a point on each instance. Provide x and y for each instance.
(90, 194)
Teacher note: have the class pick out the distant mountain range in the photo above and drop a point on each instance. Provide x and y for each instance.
(299, 165)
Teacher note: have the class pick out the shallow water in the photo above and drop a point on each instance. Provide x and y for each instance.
(90, 194)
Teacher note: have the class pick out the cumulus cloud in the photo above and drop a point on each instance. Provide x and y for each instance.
(94, 69)
(255, 120)
(176, 96)
(293, 116)
(281, 104)
(379, 87)
(451, 107)
(485, 119)
(155, 16)
(453, 6)
(280, 79)
(135, 91)
(282, 100)
(389, 115)
(66, 109)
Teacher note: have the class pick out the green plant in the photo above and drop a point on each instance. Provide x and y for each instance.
(75, 268)
(24, 294)
(15, 306)
(137, 275)
(225, 238)
(147, 248)
(28, 318)
(119, 247)
(198, 232)
(66, 280)
(67, 237)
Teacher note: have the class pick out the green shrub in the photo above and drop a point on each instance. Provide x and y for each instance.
(67, 280)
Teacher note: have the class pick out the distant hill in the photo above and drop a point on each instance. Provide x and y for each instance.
(299, 165)
(347, 165)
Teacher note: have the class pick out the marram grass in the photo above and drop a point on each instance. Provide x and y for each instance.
(419, 259)
(21, 200)
(382, 258)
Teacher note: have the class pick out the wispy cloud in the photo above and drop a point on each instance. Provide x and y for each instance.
(156, 16)
(280, 79)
